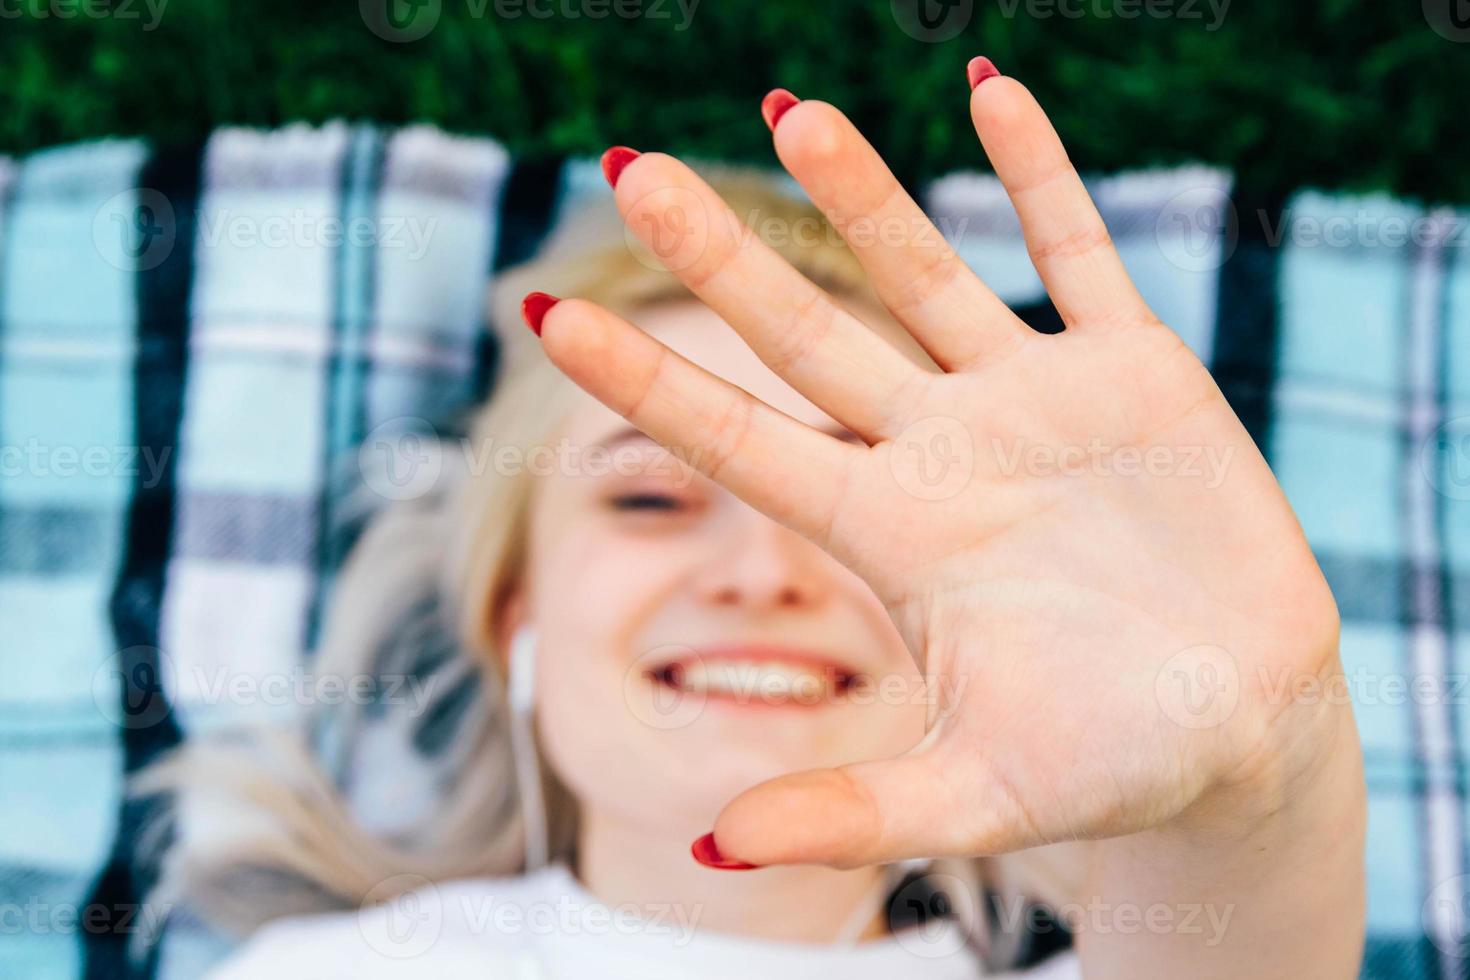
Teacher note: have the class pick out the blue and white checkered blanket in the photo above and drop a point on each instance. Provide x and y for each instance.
(196, 343)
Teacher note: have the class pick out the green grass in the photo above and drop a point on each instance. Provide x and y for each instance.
(1333, 94)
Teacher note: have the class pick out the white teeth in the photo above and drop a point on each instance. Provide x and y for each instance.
(772, 682)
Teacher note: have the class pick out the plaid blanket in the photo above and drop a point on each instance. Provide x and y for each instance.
(200, 346)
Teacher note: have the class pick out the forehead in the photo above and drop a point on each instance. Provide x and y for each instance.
(697, 333)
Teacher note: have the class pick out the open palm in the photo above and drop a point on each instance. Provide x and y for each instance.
(1074, 531)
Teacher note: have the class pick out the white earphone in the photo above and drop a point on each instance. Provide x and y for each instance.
(520, 693)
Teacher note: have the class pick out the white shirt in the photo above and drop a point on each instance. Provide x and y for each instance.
(546, 926)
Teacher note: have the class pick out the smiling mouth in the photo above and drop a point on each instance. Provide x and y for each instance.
(758, 679)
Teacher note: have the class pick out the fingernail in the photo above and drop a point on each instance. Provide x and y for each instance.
(707, 854)
(615, 159)
(534, 309)
(775, 104)
(979, 70)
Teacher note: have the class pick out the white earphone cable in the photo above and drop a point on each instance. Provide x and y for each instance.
(520, 692)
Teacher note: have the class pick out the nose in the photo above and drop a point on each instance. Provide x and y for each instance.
(760, 564)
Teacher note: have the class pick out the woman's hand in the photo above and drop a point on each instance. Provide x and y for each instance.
(1074, 533)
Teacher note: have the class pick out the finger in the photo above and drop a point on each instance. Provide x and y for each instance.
(915, 806)
(1066, 237)
(825, 352)
(915, 271)
(787, 470)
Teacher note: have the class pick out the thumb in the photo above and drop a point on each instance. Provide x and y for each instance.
(865, 813)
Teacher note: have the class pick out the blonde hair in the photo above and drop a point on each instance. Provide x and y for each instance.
(264, 825)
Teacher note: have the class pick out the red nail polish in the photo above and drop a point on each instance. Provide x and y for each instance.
(775, 104)
(615, 159)
(979, 70)
(707, 854)
(534, 309)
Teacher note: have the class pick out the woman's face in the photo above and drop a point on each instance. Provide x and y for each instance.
(688, 646)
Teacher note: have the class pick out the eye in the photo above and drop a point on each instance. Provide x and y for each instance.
(646, 501)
